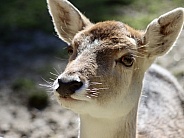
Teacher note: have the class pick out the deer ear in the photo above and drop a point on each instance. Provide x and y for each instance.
(67, 19)
(162, 32)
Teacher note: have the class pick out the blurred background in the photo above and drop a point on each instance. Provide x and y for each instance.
(31, 52)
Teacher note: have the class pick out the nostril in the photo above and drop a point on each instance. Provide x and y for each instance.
(60, 81)
(68, 88)
(75, 85)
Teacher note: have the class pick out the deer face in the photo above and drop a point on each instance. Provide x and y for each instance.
(107, 61)
(101, 67)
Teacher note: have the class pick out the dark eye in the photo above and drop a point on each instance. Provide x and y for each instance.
(127, 60)
(70, 50)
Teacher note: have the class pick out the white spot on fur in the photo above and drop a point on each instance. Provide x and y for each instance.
(132, 40)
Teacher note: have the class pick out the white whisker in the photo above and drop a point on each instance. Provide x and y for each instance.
(52, 79)
(96, 83)
(48, 82)
(53, 74)
(45, 85)
(56, 71)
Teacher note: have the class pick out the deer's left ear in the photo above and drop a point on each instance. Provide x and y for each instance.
(162, 32)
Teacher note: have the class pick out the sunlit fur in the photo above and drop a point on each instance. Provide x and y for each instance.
(107, 102)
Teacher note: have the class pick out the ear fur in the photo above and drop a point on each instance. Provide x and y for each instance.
(162, 32)
(66, 18)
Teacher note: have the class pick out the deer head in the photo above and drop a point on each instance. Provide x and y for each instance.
(108, 59)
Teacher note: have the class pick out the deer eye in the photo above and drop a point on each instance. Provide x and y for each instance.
(127, 60)
(70, 50)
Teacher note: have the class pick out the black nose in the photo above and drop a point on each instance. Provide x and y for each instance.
(66, 89)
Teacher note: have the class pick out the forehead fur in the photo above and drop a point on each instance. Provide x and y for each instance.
(106, 30)
(112, 32)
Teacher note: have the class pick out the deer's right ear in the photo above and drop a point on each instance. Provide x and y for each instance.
(67, 19)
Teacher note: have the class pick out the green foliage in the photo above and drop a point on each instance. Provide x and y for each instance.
(24, 14)
(21, 14)
(136, 13)
(98, 10)
(146, 10)
(23, 84)
(38, 100)
(62, 54)
(32, 96)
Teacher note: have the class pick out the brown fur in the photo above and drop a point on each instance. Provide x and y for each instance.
(103, 79)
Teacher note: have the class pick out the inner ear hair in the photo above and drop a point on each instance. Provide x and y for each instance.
(162, 32)
(67, 19)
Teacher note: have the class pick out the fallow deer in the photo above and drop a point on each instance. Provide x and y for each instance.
(110, 72)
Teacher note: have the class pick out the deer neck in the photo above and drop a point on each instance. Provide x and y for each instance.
(122, 127)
